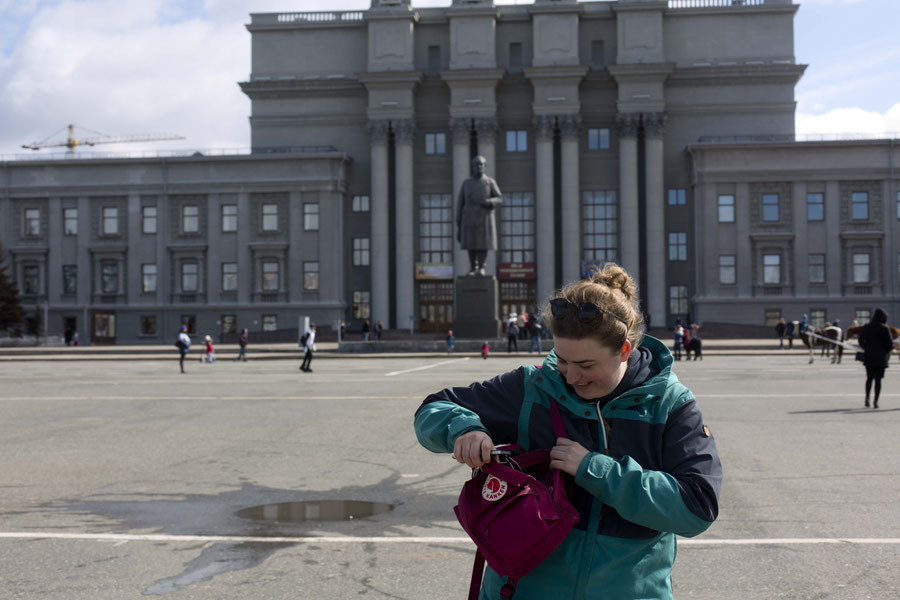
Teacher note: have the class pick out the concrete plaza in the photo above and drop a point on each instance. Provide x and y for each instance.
(122, 479)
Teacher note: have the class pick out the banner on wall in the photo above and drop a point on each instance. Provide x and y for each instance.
(516, 270)
(434, 270)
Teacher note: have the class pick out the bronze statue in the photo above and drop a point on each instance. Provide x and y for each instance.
(476, 228)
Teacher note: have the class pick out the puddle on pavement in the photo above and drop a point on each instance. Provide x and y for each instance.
(315, 510)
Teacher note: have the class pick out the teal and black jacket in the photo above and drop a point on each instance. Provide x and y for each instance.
(654, 474)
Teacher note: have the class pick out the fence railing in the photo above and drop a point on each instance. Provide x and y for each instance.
(718, 3)
(320, 17)
(791, 138)
(82, 155)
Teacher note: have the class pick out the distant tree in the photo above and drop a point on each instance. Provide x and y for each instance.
(11, 313)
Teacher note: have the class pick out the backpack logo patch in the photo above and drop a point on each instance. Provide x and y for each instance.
(493, 489)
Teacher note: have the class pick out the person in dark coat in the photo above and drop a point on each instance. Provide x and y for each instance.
(789, 333)
(779, 331)
(877, 344)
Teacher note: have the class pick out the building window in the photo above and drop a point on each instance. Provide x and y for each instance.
(269, 323)
(229, 218)
(110, 221)
(678, 300)
(31, 280)
(816, 318)
(190, 277)
(361, 304)
(517, 140)
(70, 221)
(435, 143)
(600, 233)
(677, 245)
(148, 219)
(770, 207)
(148, 324)
(311, 216)
(677, 197)
(815, 207)
(434, 60)
(517, 228)
(311, 276)
(190, 218)
(598, 59)
(70, 279)
(270, 217)
(360, 252)
(861, 268)
(727, 269)
(863, 316)
(229, 323)
(271, 279)
(859, 206)
(32, 222)
(726, 208)
(515, 57)
(435, 228)
(598, 139)
(189, 321)
(360, 204)
(817, 268)
(148, 278)
(229, 277)
(772, 269)
(109, 278)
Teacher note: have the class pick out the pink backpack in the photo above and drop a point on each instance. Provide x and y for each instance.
(515, 519)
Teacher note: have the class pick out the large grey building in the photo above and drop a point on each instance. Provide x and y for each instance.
(657, 134)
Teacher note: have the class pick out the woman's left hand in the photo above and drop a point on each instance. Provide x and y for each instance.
(567, 455)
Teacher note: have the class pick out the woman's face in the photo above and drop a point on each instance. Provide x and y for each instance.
(594, 370)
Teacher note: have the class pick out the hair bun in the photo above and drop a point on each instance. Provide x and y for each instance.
(616, 278)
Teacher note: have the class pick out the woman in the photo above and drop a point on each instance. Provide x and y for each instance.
(645, 465)
(876, 341)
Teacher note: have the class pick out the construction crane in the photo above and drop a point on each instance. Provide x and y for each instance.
(99, 138)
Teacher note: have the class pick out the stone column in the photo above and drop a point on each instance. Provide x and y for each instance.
(629, 234)
(404, 134)
(570, 130)
(654, 131)
(461, 131)
(380, 290)
(545, 244)
(487, 147)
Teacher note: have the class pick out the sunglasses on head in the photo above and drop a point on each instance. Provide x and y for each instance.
(586, 311)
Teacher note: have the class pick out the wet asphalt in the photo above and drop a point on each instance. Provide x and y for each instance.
(137, 449)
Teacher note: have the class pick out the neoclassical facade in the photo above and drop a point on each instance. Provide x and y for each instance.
(617, 131)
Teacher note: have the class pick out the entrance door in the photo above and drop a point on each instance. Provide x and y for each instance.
(104, 329)
(435, 306)
(517, 296)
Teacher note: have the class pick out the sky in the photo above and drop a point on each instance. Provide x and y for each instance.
(172, 66)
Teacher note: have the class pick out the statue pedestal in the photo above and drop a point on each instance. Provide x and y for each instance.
(477, 305)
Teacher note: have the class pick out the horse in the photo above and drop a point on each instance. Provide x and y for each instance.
(695, 345)
(855, 330)
(833, 335)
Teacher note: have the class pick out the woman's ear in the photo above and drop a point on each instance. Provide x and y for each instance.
(625, 352)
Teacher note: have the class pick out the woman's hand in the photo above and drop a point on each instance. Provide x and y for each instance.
(473, 449)
(567, 455)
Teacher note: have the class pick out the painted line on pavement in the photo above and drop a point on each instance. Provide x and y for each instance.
(153, 537)
(443, 362)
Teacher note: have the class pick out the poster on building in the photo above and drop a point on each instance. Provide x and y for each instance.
(516, 270)
(434, 270)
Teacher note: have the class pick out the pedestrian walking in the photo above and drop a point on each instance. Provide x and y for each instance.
(679, 341)
(485, 349)
(378, 329)
(512, 334)
(779, 331)
(521, 323)
(183, 343)
(308, 341)
(365, 330)
(75, 338)
(877, 344)
(242, 344)
(641, 462)
(789, 333)
(451, 341)
(536, 333)
(67, 336)
(209, 354)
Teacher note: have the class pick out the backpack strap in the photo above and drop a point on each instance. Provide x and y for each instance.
(559, 428)
(477, 575)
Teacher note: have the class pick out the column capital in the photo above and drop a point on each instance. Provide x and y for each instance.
(655, 124)
(461, 129)
(404, 130)
(378, 131)
(486, 126)
(570, 126)
(627, 124)
(544, 126)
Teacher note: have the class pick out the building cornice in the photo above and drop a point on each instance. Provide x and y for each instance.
(393, 79)
(646, 71)
(287, 88)
(470, 76)
(555, 8)
(861, 235)
(643, 5)
(746, 73)
(574, 73)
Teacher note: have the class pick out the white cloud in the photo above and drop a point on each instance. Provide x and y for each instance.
(850, 121)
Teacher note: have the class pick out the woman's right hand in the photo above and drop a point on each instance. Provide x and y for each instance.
(473, 449)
